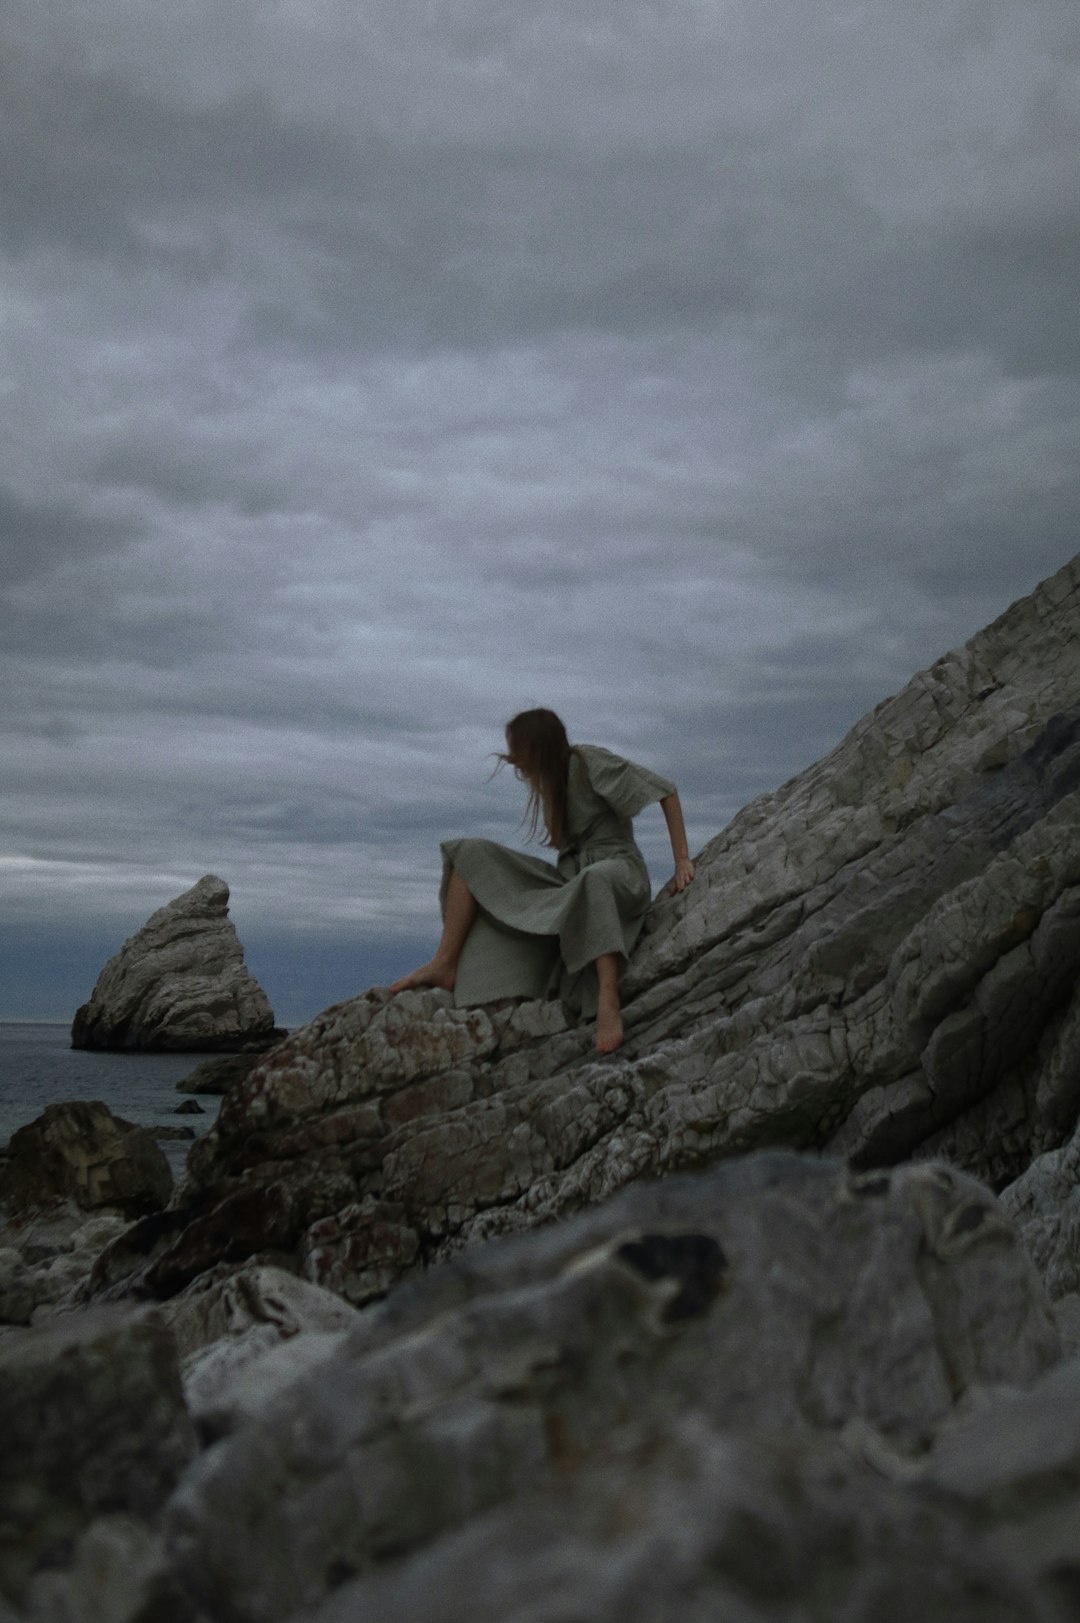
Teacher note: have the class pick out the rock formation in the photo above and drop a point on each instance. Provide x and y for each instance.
(180, 983)
(84, 1154)
(878, 960)
(775, 1390)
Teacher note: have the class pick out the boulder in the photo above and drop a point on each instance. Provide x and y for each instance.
(83, 1153)
(94, 1424)
(879, 960)
(180, 983)
(717, 1396)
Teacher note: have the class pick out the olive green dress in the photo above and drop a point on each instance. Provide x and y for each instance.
(540, 926)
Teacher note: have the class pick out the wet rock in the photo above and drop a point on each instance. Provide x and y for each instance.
(190, 1107)
(180, 983)
(83, 1153)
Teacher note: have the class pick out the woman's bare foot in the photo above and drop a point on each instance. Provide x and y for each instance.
(435, 973)
(609, 1026)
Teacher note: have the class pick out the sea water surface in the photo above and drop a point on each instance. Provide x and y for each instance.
(38, 1067)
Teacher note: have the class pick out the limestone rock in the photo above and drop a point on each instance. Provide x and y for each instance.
(244, 1335)
(83, 1153)
(880, 960)
(93, 1422)
(710, 1397)
(180, 983)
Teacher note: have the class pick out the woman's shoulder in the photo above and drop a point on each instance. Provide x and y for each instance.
(624, 784)
(594, 752)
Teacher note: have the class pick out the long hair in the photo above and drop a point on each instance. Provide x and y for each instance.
(539, 751)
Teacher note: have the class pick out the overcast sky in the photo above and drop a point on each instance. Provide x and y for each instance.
(372, 370)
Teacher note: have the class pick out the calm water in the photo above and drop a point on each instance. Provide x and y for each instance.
(38, 1068)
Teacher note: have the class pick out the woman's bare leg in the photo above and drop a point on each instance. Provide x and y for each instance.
(609, 1025)
(458, 915)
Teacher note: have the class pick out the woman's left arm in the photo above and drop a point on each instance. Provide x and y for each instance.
(684, 868)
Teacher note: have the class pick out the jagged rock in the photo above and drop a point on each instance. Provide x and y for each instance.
(218, 1075)
(712, 1397)
(179, 984)
(243, 1336)
(93, 1422)
(190, 1107)
(46, 1258)
(83, 1153)
(880, 960)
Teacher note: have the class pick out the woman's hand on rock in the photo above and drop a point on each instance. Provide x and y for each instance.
(684, 872)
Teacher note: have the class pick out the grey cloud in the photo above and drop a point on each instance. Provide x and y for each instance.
(700, 371)
(36, 536)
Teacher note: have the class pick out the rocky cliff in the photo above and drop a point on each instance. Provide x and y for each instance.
(180, 983)
(879, 960)
(807, 1386)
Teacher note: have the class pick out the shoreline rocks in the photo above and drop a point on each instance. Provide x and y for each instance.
(80, 1152)
(179, 984)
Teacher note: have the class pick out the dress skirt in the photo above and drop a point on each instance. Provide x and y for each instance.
(540, 925)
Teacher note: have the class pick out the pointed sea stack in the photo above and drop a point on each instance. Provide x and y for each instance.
(179, 985)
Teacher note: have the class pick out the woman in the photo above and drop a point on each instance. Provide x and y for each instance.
(515, 926)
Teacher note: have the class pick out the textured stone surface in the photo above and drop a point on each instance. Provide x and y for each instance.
(93, 1423)
(879, 960)
(227, 1328)
(713, 1392)
(218, 1075)
(83, 1153)
(1045, 1203)
(180, 983)
(46, 1258)
(779, 1389)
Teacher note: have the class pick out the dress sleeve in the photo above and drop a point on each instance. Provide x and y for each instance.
(627, 788)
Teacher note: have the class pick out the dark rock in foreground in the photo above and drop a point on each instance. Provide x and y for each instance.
(180, 984)
(96, 1435)
(81, 1152)
(776, 1390)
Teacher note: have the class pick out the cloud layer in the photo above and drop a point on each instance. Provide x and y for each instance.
(699, 369)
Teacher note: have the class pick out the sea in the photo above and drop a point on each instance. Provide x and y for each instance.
(38, 1067)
